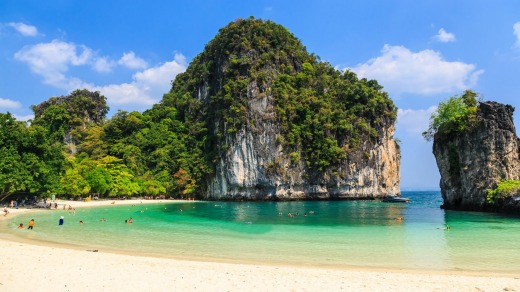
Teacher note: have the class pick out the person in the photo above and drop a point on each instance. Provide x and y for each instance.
(6, 211)
(102, 220)
(61, 220)
(130, 220)
(21, 226)
(31, 224)
(80, 222)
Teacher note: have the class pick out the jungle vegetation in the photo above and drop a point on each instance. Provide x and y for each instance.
(72, 149)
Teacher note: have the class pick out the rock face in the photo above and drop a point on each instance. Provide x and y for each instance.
(280, 124)
(256, 166)
(477, 159)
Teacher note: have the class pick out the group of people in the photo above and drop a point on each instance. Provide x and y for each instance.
(290, 214)
(31, 225)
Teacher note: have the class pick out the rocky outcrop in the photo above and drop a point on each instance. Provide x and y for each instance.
(255, 165)
(277, 123)
(475, 160)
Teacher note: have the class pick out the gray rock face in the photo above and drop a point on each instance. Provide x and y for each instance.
(476, 160)
(256, 167)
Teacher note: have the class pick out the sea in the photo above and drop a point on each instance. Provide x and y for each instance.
(418, 235)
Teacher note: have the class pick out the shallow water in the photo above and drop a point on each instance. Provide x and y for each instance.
(337, 233)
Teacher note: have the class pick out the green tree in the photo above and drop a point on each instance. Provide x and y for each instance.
(453, 115)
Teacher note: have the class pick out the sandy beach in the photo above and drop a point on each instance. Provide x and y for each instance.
(40, 267)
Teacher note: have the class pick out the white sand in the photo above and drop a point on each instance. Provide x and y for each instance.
(29, 267)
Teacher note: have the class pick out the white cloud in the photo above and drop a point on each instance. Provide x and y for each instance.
(24, 29)
(400, 70)
(23, 118)
(444, 36)
(147, 87)
(52, 60)
(516, 30)
(129, 60)
(414, 122)
(103, 64)
(8, 103)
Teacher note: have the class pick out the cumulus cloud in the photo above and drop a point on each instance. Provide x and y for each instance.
(24, 29)
(23, 118)
(516, 31)
(52, 60)
(147, 86)
(414, 122)
(444, 37)
(400, 70)
(129, 60)
(103, 64)
(8, 103)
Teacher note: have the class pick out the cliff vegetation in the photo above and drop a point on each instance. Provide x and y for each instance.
(478, 154)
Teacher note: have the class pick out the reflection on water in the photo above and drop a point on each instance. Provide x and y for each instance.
(359, 233)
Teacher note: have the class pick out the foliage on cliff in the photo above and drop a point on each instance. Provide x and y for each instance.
(505, 188)
(323, 113)
(453, 115)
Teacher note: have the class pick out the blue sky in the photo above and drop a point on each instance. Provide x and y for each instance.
(422, 52)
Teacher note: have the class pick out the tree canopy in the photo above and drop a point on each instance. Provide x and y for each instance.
(453, 115)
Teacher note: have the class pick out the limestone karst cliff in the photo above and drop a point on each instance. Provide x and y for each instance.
(477, 159)
(277, 123)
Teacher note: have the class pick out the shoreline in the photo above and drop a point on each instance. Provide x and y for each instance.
(66, 268)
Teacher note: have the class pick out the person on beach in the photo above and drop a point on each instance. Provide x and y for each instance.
(6, 211)
(61, 220)
(20, 226)
(31, 224)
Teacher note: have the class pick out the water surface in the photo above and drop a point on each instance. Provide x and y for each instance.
(336, 233)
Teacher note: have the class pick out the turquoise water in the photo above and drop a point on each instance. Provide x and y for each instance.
(338, 233)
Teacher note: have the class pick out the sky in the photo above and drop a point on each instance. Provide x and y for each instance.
(421, 52)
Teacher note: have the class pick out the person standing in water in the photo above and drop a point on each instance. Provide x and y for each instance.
(31, 224)
(61, 220)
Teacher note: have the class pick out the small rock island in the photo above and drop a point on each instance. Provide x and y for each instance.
(478, 154)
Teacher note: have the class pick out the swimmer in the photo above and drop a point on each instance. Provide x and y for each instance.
(80, 222)
(21, 226)
(130, 220)
(102, 220)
